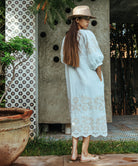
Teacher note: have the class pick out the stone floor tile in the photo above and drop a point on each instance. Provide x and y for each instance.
(39, 161)
(106, 160)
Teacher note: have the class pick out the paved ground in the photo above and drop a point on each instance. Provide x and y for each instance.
(106, 160)
(122, 128)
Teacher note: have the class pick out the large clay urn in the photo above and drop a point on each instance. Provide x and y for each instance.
(14, 133)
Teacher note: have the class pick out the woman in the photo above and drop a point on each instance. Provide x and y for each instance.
(83, 58)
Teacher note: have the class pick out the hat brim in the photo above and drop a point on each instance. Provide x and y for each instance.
(75, 16)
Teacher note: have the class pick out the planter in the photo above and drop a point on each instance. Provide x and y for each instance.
(14, 133)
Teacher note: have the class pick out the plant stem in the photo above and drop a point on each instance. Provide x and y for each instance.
(7, 88)
(12, 79)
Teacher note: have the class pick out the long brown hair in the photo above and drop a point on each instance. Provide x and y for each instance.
(71, 48)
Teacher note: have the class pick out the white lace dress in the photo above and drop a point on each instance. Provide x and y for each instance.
(85, 90)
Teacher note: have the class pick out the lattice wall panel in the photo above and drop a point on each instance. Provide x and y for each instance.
(22, 93)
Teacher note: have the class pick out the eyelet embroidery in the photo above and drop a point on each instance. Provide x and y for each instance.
(84, 118)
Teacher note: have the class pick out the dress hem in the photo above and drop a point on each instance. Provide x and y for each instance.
(103, 135)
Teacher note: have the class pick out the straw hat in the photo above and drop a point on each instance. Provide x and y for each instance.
(81, 11)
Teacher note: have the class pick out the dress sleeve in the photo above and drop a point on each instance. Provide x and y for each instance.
(94, 53)
(61, 52)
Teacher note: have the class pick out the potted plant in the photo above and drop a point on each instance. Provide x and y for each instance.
(14, 122)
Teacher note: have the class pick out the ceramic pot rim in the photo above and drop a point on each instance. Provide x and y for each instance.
(25, 114)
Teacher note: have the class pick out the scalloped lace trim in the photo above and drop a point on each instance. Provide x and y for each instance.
(104, 134)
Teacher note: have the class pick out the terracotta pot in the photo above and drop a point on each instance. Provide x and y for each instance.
(14, 133)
